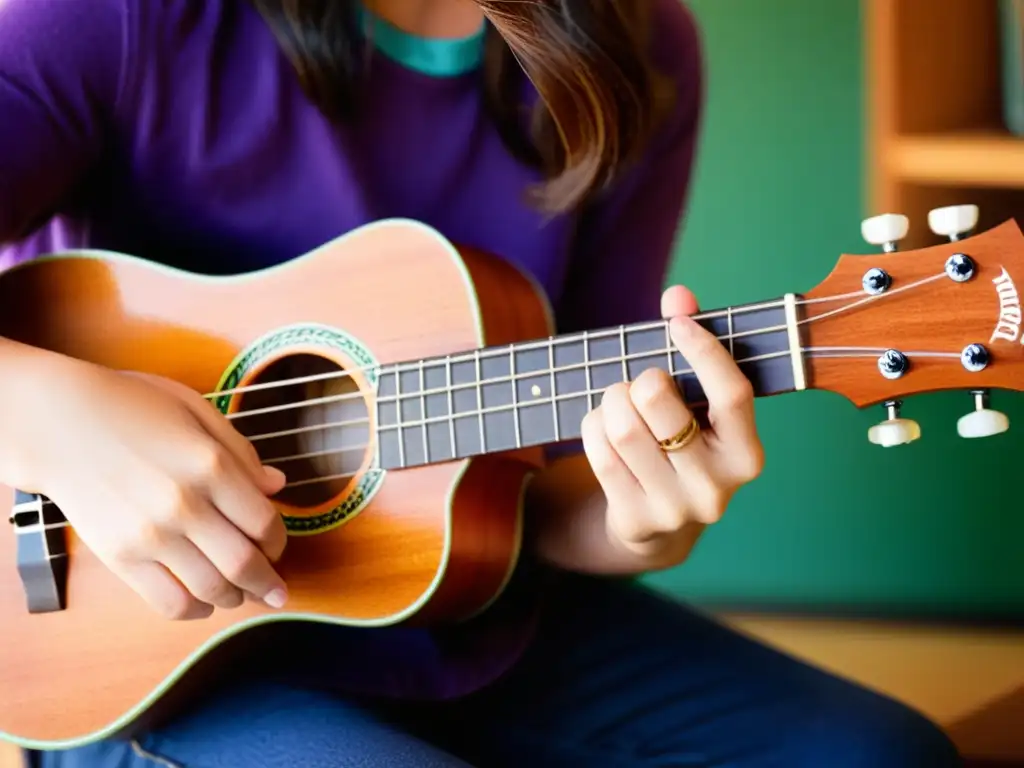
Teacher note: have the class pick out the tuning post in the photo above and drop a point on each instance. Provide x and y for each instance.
(960, 267)
(975, 358)
(876, 281)
(953, 221)
(885, 230)
(893, 364)
(983, 421)
(895, 430)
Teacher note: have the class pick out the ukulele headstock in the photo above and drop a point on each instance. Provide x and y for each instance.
(887, 326)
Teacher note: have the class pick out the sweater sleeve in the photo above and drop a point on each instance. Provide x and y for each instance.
(625, 242)
(61, 70)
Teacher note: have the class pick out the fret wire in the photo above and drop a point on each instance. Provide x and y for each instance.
(622, 349)
(423, 410)
(378, 457)
(668, 348)
(586, 367)
(554, 393)
(732, 342)
(451, 405)
(400, 418)
(515, 396)
(480, 402)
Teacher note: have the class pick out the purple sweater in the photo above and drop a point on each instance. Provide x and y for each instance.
(176, 131)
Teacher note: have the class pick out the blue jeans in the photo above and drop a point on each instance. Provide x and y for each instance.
(619, 677)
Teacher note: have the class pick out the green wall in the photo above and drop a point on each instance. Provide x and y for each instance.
(833, 521)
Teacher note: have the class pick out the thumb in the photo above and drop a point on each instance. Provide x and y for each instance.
(271, 480)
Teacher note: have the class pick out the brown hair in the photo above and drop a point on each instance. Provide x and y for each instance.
(601, 98)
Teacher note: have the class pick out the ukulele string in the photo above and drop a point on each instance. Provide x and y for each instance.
(482, 355)
(840, 352)
(867, 299)
(471, 356)
(585, 336)
(814, 352)
(659, 352)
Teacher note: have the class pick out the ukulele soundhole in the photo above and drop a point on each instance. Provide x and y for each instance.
(313, 424)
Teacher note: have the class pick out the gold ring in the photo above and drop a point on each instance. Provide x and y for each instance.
(682, 438)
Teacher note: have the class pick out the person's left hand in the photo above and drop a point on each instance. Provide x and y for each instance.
(655, 490)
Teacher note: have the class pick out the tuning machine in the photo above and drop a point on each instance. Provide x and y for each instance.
(953, 221)
(895, 430)
(982, 421)
(885, 230)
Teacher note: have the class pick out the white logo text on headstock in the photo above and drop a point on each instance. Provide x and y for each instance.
(1008, 327)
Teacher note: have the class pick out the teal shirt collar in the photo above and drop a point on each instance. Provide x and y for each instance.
(435, 57)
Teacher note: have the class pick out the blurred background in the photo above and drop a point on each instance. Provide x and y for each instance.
(900, 567)
(789, 166)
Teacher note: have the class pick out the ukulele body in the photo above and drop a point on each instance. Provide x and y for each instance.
(431, 544)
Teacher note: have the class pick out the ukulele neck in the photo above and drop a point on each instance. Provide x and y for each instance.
(536, 393)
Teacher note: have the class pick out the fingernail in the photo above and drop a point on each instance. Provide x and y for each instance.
(276, 599)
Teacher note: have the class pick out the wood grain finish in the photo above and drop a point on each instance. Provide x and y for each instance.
(68, 675)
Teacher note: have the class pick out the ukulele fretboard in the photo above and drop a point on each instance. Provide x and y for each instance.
(537, 393)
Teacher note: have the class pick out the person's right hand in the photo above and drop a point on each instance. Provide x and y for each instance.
(157, 483)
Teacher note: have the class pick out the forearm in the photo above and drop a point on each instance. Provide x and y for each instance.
(24, 370)
(567, 526)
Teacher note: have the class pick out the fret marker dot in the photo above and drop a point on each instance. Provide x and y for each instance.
(535, 391)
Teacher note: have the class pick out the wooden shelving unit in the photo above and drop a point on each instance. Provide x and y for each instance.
(933, 98)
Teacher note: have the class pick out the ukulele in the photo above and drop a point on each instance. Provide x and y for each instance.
(408, 413)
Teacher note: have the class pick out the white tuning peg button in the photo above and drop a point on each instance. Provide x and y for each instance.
(894, 430)
(885, 230)
(953, 221)
(983, 421)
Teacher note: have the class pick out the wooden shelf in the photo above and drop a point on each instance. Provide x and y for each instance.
(971, 159)
(935, 131)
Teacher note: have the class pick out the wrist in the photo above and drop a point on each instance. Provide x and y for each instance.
(662, 551)
(26, 377)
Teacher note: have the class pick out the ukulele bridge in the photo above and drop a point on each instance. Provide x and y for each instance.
(40, 531)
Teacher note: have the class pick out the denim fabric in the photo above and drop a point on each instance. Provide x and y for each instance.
(618, 677)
